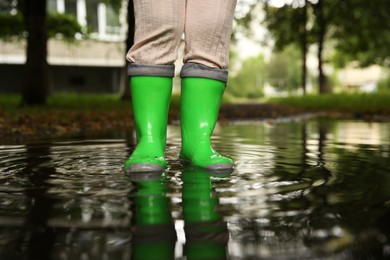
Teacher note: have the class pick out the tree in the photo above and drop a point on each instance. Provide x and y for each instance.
(283, 69)
(362, 33)
(304, 45)
(35, 87)
(356, 28)
(32, 18)
(288, 25)
(323, 16)
(13, 25)
(249, 81)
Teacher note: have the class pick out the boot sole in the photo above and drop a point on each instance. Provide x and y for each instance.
(144, 168)
(218, 168)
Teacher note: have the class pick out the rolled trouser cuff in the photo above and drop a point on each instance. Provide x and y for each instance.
(197, 70)
(151, 70)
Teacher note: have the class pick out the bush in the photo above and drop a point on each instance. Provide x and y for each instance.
(63, 24)
(57, 24)
(11, 25)
(384, 85)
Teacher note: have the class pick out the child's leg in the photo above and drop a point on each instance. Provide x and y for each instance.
(207, 31)
(159, 27)
(207, 36)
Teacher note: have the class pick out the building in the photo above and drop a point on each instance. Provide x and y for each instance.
(95, 64)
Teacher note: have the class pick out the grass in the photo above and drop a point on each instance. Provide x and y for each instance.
(63, 115)
(82, 115)
(362, 103)
(67, 114)
(68, 101)
(355, 103)
(342, 103)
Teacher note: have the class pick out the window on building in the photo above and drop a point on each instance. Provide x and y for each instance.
(113, 24)
(71, 7)
(52, 6)
(92, 16)
(100, 19)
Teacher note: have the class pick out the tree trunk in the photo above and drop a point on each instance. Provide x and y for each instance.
(304, 69)
(35, 86)
(321, 38)
(304, 48)
(321, 76)
(129, 42)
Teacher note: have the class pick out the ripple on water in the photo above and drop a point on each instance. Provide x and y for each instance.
(301, 190)
(82, 184)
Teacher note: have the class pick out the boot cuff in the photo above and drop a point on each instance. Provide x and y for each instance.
(151, 70)
(198, 70)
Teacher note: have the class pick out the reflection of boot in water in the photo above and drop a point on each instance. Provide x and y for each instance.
(154, 235)
(206, 232)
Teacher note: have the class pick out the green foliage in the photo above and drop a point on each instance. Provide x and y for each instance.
(334, 82)
(362, 32)
(90, 101)
(64, 25)
(377, 103)
(57, 24)
(249, 81)
(384, 85)
(9, 101)
(244, 15)
(11, 25)
(175, 102)
(115, 4)
(286, 25)
(292, 25)
(356, 28)
(283, 70)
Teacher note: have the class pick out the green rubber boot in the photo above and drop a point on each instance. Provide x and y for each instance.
(151, 96)
(200, 102)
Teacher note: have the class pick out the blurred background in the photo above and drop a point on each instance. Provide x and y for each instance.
(312, 162)
(279, 48)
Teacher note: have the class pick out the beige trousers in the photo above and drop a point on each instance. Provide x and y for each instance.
(160, 25)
